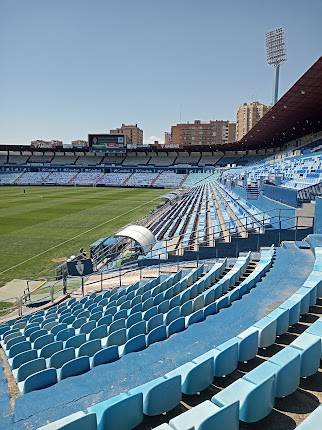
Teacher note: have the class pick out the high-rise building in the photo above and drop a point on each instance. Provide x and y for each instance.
(248, 115)
(133, 132)
(167, 138)
(203, 133)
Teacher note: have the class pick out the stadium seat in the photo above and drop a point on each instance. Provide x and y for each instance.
(40, 380)
(75, 367)
(76, 421)
(105, 355)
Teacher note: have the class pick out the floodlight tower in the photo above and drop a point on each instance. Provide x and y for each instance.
(276, 54)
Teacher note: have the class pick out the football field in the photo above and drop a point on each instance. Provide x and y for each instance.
(42, 226)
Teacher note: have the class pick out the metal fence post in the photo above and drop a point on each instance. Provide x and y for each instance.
(159, 264)
(101, 281)
(120, 278)
(83, 292)
(52, 293)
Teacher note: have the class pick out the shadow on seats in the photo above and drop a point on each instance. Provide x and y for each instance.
(299, 402)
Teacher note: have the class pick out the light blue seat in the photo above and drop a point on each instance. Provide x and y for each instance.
(39, 380)
(22, 358)
(122, 412)
(15, 333)
(313, 421)
(196, 375)
(310, 349)
(4, 328)
(267, 331)
(137, 343)
(120, 314)
(158, 299)
(154, 322)
(208, 416)
(186, 309)
(44, 340)
(198, 303)
(256, 400)
(150, 313)
(135, 309)
(196, 317)
(294, 308)
(31, 329)
(87, 327)
(30, 367)
(147, 304)
(57, 328)
(48, 321)
(247, 344)
(117, 325)
(174, 302)
(98, 332)
(66, 320)
(302, 295)
(159, 395)
(176, 326)
(79, 322)
(95, 316)
(76, 421)
(210, 309)
(83, 314)
(133, 319)
(59, 358)
(117, 337)
(90, 348)
(36, 334)
(225, 357)
(136, 329)
(185, 296)
(65, 334)
(106, 355)
(287, 376)
(14, 341)
(18, 348)
(50, 349)
(105, 320)
(157, 334)
(75, 367)
(282, 320)
(163, 307)
(75, 341)
(316, 330)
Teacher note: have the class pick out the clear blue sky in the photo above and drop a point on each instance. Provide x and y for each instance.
(70, 67)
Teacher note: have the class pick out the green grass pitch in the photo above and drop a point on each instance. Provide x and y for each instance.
(46, 217)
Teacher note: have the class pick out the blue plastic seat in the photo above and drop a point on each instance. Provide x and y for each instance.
(30, 367)
(117, 337)
(79, 322)
(137, 343)
(196, 317)
(136, 329)
(151, 312)
(196, 375)
(75, 367)
(95, 316)
(98, 332)
(225, 357)
(106, 355)
(247, 344)
(310, 350)
(90, 348)
(267, 331)
(57, 328)
(313, 421)
(160, 395)
(14, 341)
(65, 334)
(18, 348)
(105, 320)
(39, 380)
(87, 327)
(207, 416)
(294, 308)
(50, 349)
(256, 400)
(22, 358)
(287, 376)
(156, 335)
(122, 412)
(117, 325)
(59, 358)
(172, 315)
(44, 340)
(154, 322)
(76, 341)
(122, 314)
(163, 307)
(176, 326)
(76, 421)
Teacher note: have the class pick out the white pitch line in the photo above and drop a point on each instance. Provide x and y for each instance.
(75, 237)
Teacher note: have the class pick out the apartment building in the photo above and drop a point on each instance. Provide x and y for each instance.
(248, 115)
(203, 133)
(133, 132)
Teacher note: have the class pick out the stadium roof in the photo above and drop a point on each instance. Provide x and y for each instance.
(297, 113)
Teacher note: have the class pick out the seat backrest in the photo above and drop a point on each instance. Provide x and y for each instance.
(65, 334)
(43, 340)
(75, 367)
(89, 348)
(39, 380)
(50, 349)
(106, 355)
(23, 357)
(30, 367)
(58, 359)
(98, 332)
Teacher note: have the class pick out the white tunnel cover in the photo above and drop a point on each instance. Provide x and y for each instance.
(143, 236)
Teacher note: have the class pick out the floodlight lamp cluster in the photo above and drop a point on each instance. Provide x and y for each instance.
(275, 47)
